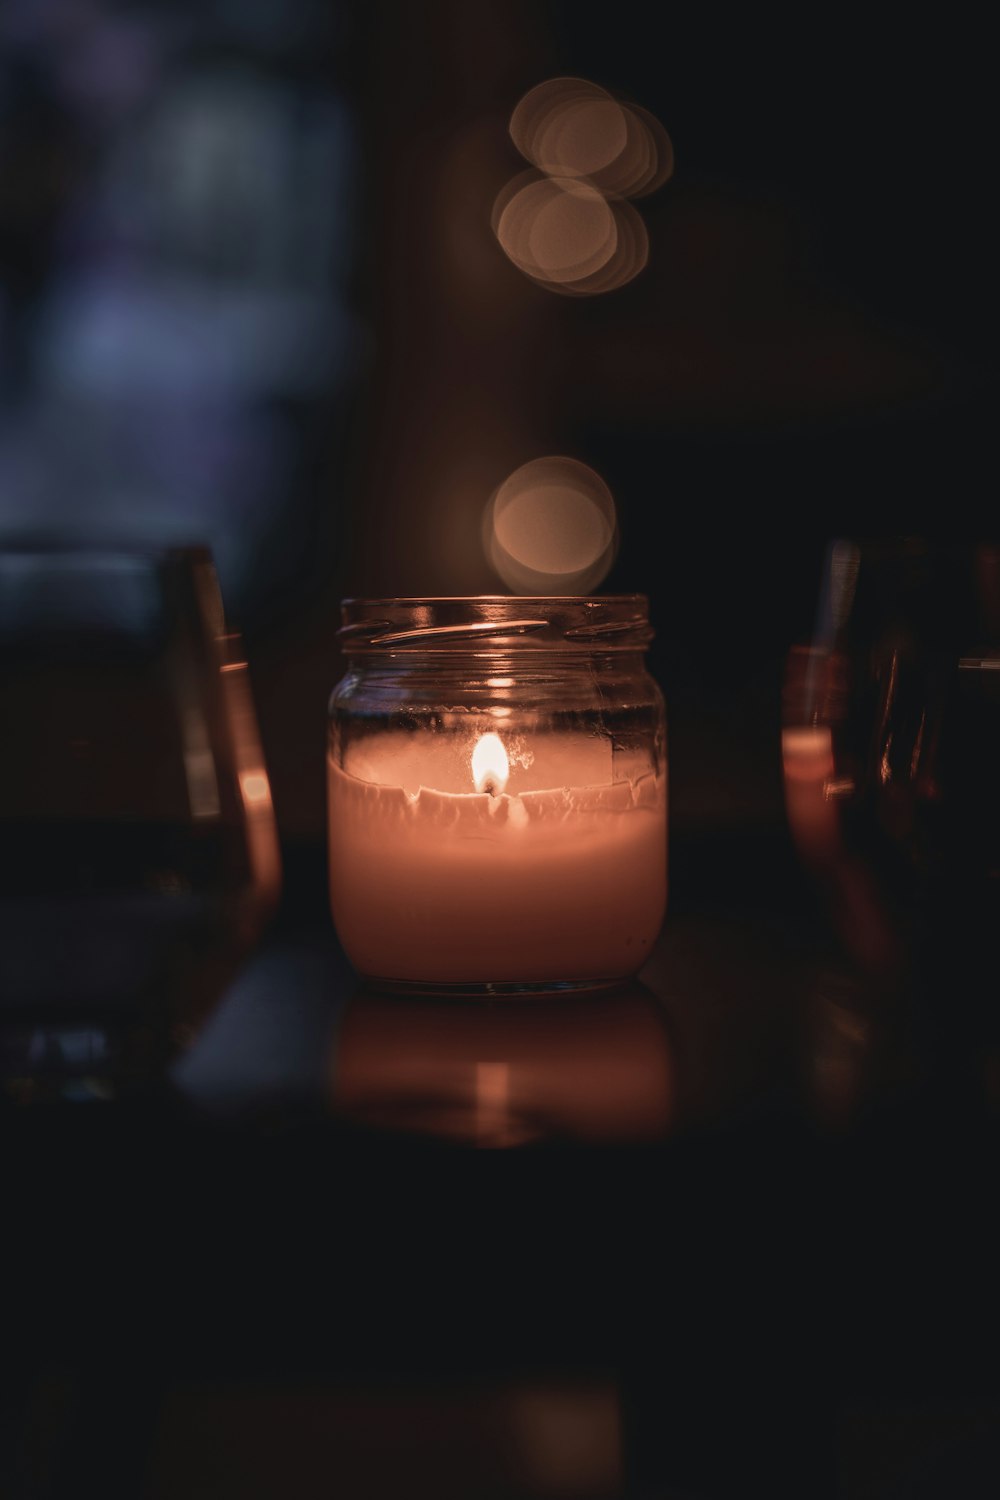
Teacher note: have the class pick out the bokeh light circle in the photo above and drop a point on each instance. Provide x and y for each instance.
(595, 133)
(631, 254)
(570, 127)
(567, 236)
(555, 229)
(551, 528)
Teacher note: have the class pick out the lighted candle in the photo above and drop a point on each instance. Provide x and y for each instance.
(495, 859)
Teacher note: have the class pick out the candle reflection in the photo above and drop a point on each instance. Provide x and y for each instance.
(569, 1068)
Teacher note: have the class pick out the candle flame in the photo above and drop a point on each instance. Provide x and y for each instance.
(490, 766)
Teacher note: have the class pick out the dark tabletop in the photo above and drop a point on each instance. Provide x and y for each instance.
(726, 1231)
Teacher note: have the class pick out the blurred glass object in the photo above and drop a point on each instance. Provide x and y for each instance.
(141, 859)
(596, 1068)
(891, 741)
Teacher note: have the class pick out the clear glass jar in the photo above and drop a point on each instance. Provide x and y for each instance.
(497, 793)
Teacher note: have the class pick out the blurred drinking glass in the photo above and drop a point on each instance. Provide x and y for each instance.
(891, 750)
(140, 854)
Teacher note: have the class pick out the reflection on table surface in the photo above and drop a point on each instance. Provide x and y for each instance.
(593, 1067)
(589, 1068)
(747, 1011)
(706, 1032)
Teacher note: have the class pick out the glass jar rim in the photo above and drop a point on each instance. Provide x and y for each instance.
(471, 622)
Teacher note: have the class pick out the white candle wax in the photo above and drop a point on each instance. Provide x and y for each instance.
(535, 881)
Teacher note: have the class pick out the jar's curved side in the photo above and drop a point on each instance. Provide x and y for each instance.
(611, 703)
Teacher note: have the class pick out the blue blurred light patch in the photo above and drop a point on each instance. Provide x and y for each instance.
(178, 320)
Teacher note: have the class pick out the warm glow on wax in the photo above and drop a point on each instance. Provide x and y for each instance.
(490, 766)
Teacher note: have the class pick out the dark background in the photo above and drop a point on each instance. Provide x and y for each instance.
(249, 295)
